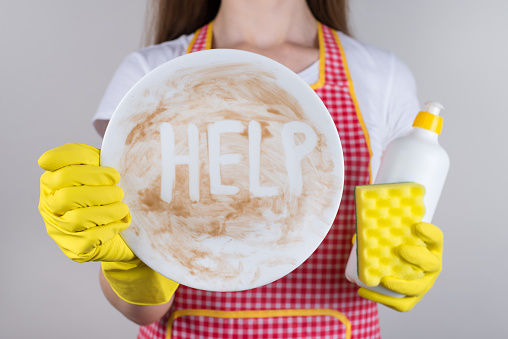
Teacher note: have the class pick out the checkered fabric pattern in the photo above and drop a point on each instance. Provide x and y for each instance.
(319, 283)
(200, 39)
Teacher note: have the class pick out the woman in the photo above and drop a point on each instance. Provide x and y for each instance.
(371, 97)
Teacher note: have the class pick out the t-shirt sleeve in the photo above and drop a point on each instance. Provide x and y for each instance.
(132, 69)
(402, 105)
(386, 93)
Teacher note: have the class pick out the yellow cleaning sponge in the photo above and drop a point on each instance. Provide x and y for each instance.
(385, 215)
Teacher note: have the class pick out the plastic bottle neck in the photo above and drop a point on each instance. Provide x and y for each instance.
(422, 133)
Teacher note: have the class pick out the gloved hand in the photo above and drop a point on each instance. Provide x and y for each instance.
(81, 205)
(428, 259)
(82, 209)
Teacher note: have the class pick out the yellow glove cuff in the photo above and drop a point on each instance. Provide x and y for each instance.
(136, 283)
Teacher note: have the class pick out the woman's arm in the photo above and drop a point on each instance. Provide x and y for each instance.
(140, 314)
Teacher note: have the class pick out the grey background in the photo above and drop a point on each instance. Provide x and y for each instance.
(57, 57)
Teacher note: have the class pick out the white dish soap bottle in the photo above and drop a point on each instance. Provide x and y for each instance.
(417, 157)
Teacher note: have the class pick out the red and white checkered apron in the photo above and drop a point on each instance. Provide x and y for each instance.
(317, 288)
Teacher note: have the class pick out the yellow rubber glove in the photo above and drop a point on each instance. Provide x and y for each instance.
(428, 259)
(80, 203)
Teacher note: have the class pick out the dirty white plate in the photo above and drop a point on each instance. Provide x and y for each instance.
(231, 166)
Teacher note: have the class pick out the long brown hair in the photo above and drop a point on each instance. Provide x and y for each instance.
(168, 19)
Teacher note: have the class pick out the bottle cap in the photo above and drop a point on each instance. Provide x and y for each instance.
(430, 119)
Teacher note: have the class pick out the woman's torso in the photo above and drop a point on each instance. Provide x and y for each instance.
(319, 283)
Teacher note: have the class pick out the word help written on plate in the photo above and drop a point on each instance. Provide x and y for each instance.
(293, 154)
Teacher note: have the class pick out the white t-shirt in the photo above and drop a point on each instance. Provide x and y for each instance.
(384, 87)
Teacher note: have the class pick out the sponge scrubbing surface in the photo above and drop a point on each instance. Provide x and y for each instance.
(385, 215)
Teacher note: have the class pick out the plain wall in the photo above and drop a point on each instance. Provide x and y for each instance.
(57, 57)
